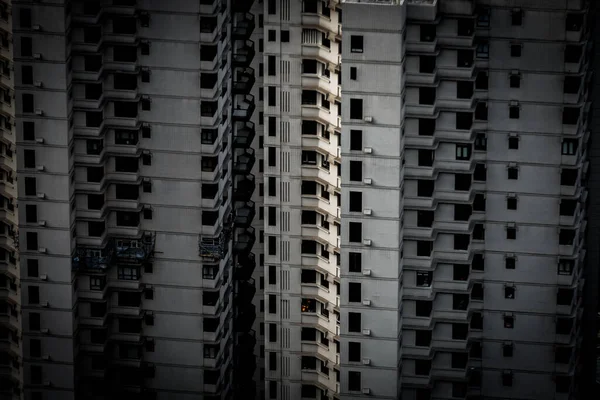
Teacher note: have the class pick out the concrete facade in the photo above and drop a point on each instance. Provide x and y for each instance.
(134, 118)
(472, 124)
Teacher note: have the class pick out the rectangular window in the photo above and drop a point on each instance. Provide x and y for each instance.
(353, 73)
(356, 140)
(356, 44)
(30, 213)
(354, 262)
(26, 46)
(356, 171)
(32, 240)
(272, 96)
(27, 100)
(27, 75)
(271, 65)
(272, 7)
(356, 109)
(272, 245)
(272, 156)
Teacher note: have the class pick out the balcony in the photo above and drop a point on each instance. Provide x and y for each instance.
(246, 291)
(244, 162)
(135, 251)
(244, 214)
(244, 188)
(243, 25)
(243, 55)
(244, 241)
(89, 258)
(244, 135)
(241, 6)
(245, 267)
(246, 317)
(244, 108)
(243, 81)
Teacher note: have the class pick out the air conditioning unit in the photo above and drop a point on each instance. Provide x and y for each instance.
(367, 181)
(368, 150)
(366, 361)
(366, 332)
(39, 111)
(45, 330)
(44, 277)
(367, 242)
(39, 140)
(366, 391)
(37, 56)
(36, 27)
(366, 272)
(368, 119)
(38, 84)
(367, 211)
(41, 195)
(45, 304)
(42, 250)
(40, 167)
(47, 358)
(366, 303)
(41, 223)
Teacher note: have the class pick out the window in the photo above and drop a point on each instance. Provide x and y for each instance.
(33, 293)
(479, 202)
(510, 263)
(355, 232)
(483, 17)
(26, 46)
(509, 292)
(354, 381)
(483, 49)
(356, 109)
(511, 233)
(427, 95)
(97, 282)
(515, 50)
(354, 352)
(272, 7)
(354, 292)
(29, 158)
(30, 213)
(27, 75)
(426, 127)
(463, 151)
(355, 202)
(513, 142)
(355, 262)
(461, 272)
(511, 203)
(481, 81)
(356, 44)
(427, 33)
(27, 99)
(507, 378)
(569, 147)
(462, 182)
(355, 140)
(427, 64)
(353, 73)
(515, 81)
(272, 35)
(514, 111)
(423, 338)
(354, 322)
(30, 186)
(461, 241)
(424, 278)
(285, 36)
(513, 173)
(271, 65)
(36, 374)
(517, 17)
(423, 308)
(509, 321)
(478, 263)
(32, 240)
(356, 171)
(25, 17)
(272, 96)
(32, 268)
(28, 130)
(34, 322)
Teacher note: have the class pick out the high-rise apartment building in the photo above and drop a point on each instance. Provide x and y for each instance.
(464, 146)
(301, 87)
(134, 156)
(10, 374)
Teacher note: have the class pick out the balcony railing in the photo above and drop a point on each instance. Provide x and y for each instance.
(244, 214)
(245, 267)
(244, 108)
(135, 251)
(244, 162)
(244, 241)
(243, 55)
(244, 188)
(244, 135)
(243, 81)
(89, 258)
(243, 24)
